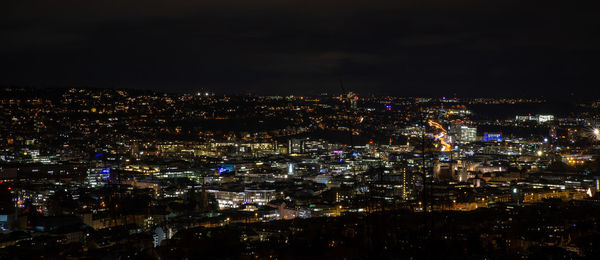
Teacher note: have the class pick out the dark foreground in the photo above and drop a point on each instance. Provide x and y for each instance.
(549, 230)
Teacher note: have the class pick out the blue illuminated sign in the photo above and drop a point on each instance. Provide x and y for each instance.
(490, 137)
(225, 168)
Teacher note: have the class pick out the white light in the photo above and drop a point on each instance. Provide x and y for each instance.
(515, 190)
(596, 131)
(539, 153)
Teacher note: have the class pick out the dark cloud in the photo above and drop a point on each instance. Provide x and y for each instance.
(426, 47)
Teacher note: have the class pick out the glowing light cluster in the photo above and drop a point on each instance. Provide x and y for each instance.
(446, 146)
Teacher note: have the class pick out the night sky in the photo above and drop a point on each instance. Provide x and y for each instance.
(427, 47)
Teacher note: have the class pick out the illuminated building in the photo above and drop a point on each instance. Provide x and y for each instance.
(545, 118)
(468, 134)
(491, 137)
(538, 118)
(234, 198)
(575, 159)
(462, 133)
(296, 146)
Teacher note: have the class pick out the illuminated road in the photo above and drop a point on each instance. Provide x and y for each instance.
(446, 147)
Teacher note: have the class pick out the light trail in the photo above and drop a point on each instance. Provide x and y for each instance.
(446, 147)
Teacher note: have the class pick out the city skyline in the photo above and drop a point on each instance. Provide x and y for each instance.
(90, 173)
(299, 129)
